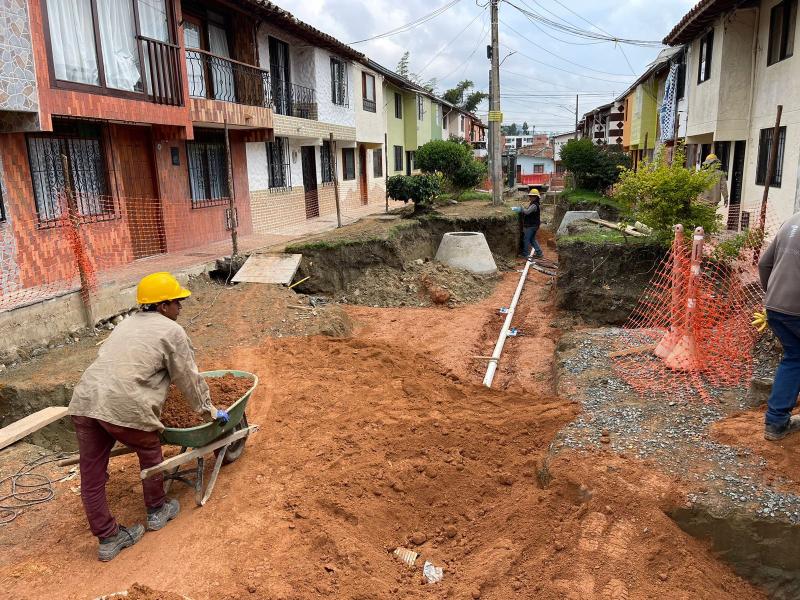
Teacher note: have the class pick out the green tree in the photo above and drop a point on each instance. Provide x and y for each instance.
(460, 97)
(419, 189)
(525, 128)
(513, 130)
(402, 68)
(454, 160)
(593, 167)
(663, 193)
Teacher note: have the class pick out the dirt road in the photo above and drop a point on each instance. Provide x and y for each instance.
(380, 440)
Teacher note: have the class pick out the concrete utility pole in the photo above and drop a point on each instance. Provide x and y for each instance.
(576, 116)
(494, 111)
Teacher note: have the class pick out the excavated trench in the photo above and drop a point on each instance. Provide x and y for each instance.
(763, 551)
(17, 402)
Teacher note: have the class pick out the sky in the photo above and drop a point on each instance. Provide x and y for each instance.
(536, 58)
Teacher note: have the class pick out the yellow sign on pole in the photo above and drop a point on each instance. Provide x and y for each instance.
(496, 115)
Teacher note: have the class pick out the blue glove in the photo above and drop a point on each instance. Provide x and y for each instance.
(516, 209)
(222, 417)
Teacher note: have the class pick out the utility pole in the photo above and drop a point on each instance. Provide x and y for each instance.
(576, 116)
(494, 110)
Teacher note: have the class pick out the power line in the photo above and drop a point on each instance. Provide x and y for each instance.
(557, 56)
(448, 44)
(583, 33)
(409, 26)
(484, 33)
(536, 60)
(550, 35)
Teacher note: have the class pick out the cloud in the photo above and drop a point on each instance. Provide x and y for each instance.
(531, 68)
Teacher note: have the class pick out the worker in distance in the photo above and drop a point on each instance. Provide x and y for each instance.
(119, 399)
(531, 221)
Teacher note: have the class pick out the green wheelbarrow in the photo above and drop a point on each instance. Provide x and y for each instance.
(226, 441)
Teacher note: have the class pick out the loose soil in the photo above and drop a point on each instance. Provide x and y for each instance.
(225, 390)
(142, 592)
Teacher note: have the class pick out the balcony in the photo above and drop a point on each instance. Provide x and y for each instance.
(162, 71)
(369, 105)
(213, 77)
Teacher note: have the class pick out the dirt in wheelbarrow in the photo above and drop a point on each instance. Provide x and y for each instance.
(225, 390)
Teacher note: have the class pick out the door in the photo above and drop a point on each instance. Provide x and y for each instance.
(140, 191)
(363, 182)
(409, 162)
(307, 154)
(736, 179)
(280, 76)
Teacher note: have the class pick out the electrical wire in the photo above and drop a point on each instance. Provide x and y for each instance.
(484, 33)
(28, 488)
(536, 60)
(448, 44)
(412, 25)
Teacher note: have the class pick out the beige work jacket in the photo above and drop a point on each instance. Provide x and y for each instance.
(127, 384)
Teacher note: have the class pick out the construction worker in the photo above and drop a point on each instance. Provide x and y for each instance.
(531, 219)
(720, 188)
(779, 270)
(119, 399)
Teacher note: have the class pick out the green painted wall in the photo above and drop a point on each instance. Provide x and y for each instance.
(644, 118)
(424, 124)
(395, 128)
(410, 114)
(436, 124)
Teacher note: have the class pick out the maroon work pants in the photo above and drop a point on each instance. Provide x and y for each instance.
(95, 440)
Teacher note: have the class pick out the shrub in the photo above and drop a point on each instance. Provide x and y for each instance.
(661, 194)
(420, 189)
(445, 157)
(469, 176)
(593, 167)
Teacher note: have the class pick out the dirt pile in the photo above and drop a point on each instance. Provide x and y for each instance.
(142, 592)
(225, 390)
(419, 283)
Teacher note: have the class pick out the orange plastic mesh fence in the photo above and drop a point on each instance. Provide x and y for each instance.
(691, 331)
(101, 240)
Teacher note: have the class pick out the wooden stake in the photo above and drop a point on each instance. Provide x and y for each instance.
(773, 158)
(335, 181)
(231, 194)
(72, 207)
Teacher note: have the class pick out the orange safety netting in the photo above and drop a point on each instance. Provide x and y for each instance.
(691, 329)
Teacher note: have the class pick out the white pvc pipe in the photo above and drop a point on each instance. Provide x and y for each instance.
(501, 340)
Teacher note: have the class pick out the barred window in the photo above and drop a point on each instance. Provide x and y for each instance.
(280, 172)
(348, 163)
(2, 206)
(339, 82)
(398, 158)
(326, 163)
(398, 106)
(82, 144)
(208, 168)
(377, 163)
(764, 148)
(420, 108)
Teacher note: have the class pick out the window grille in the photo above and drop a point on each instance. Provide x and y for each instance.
(398, 105)
(278, 164)
(377, 163)
(326, 163)
(339, 93)
(207, 159)
(764, 148)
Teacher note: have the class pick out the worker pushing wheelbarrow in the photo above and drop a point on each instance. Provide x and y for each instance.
(119, 399)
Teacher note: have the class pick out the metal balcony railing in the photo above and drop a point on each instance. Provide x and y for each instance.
(293, 100)
(162, 71)
(217, 78)
(369, 105)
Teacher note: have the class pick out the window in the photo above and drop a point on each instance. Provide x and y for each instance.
(326, 163)
(348, 163)
(420, 108)
(339, 82)
(704, 64)
(764, 147)
(538, 168)
(398, 105)
(113, 61)
(82, 143)
(680, 88)
(208, 168)
(278, 167)
(781, 31)
(461, 123)
(368, 91)
(398, 158)
(377, 163)
(2, 206)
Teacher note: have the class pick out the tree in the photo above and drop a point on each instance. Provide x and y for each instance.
(525, 128)
(420, 189)
(663, 193)
(402, 65)
(512, 129)
(463, 100)
(593, 167)
(454, 160)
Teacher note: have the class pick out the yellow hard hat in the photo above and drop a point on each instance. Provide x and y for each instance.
(160, 287)
(534, 192)
(711, 157)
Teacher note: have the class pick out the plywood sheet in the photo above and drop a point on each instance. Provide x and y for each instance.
(269, 268)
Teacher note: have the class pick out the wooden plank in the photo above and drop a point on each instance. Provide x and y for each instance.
(19, 429)
(181, 459)
(625, 230)
(272, 268)
(74, 460)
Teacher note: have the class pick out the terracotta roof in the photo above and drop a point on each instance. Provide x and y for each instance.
(698, 19)
(295, 26)
(536, 151)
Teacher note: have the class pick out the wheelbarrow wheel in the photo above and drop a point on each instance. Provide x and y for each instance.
(236, 448)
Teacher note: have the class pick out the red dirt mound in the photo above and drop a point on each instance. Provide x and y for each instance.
(225, 390)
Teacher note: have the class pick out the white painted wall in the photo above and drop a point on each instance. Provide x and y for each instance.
(370, 127)
(704, 97)
(328, 112)
(301, 55)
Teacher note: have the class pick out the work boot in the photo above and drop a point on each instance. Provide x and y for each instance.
(159, 517)
(124, 538)
(774, 433)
